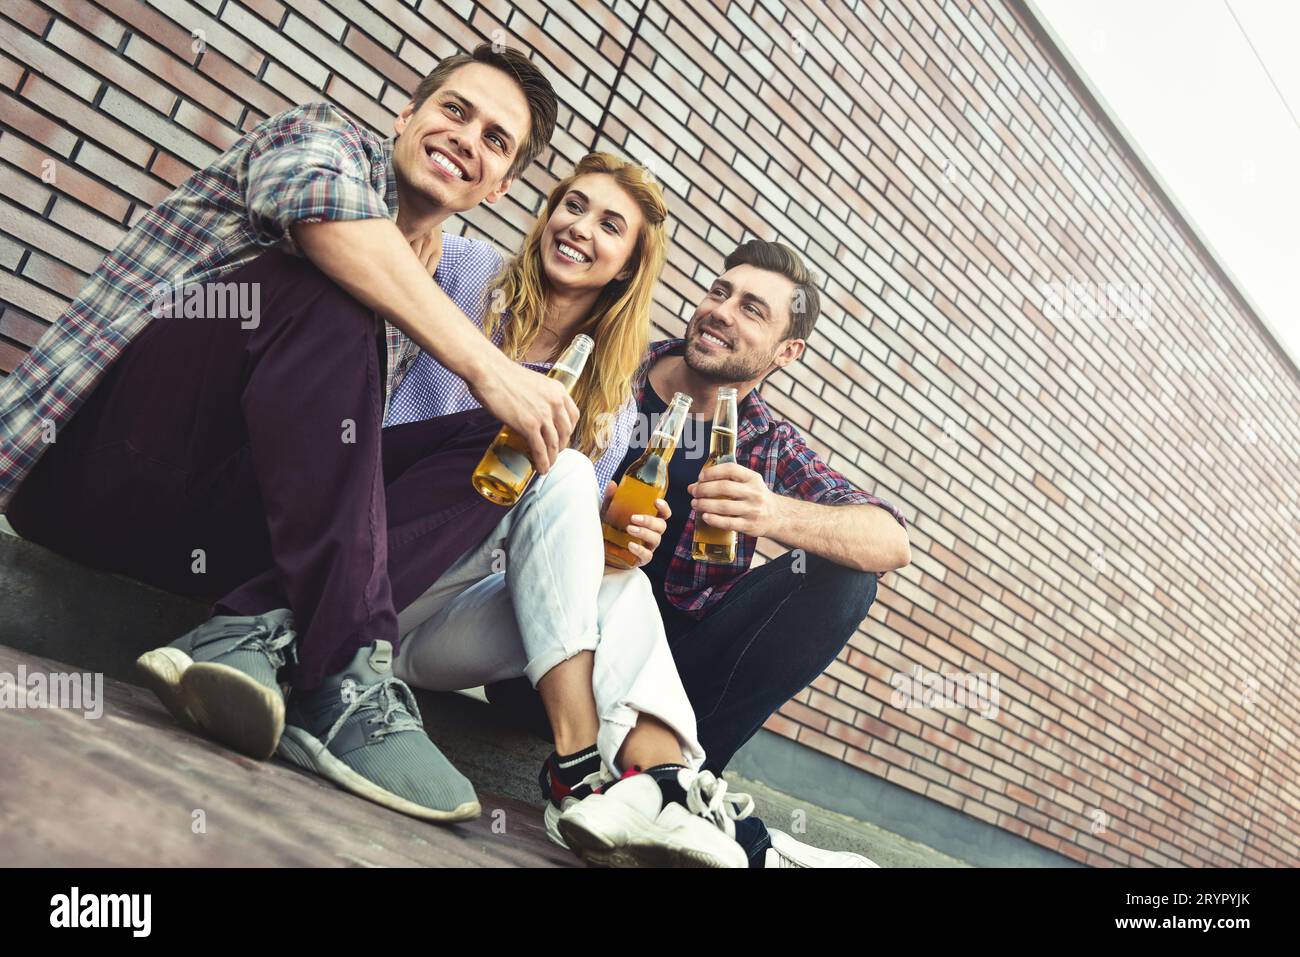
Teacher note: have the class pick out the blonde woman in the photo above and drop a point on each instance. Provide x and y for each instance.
(535, 598)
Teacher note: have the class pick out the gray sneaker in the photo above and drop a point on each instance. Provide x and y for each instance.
(220, 679)
(362, 730)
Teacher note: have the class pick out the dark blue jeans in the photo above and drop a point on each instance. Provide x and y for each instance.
(769, 637)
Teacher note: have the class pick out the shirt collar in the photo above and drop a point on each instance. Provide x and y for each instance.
(755, 416)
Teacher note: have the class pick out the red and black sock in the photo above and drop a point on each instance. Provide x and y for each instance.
(562, 774)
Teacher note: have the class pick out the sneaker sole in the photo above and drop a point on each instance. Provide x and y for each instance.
(551, 818)
(233, 709)
(815, 857)
(305, 750)
(215, 700)
(609, 839)
(161, 671)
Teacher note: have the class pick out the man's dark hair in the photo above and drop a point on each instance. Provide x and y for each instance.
(805, 304)
(538, 93)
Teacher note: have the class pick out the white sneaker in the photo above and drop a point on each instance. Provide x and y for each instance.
(628, 824)
(787, 852)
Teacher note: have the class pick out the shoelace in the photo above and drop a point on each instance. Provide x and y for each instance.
(394, 703)
(707, 796)
(270, 641)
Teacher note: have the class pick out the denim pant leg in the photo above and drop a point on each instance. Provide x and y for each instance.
(773, 633)
(758, 648)
(481, 622)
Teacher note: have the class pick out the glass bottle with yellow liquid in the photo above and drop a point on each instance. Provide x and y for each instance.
(505, 469)
(645, 480)
(711, 544)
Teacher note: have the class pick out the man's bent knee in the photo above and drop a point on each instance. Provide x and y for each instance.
(293, 286)
(851, 591)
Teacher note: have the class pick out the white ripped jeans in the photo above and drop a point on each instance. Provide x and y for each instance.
(537, 592)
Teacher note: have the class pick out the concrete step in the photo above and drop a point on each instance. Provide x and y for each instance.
(56, 608)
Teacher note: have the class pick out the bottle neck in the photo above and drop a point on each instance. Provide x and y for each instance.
(722, 441)
(568, 368)
(724, 419)
(652, 466)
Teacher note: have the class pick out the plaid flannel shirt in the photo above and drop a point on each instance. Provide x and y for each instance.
(308, 164)
(777, 452)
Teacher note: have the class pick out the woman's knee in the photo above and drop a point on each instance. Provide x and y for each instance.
(572, 476)
(573, 466)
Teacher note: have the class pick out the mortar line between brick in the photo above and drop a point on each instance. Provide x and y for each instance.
(618, 76)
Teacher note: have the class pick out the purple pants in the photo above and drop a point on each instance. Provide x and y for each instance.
(248, 467)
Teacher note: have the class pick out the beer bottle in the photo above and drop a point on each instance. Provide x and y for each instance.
(505, 469)
(711, 544)
(645, 480)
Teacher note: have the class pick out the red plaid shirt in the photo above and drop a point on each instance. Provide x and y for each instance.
(305, 165)
(776, 451)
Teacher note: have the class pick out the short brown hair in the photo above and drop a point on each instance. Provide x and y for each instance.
(540, 96)
(806, 303)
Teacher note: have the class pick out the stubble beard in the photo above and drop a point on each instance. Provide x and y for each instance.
(728, 370)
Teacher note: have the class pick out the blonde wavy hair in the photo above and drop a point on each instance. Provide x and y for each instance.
(619, 321)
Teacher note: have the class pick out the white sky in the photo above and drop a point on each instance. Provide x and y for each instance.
(1180, 77)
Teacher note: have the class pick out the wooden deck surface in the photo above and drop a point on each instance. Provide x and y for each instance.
(124, 789)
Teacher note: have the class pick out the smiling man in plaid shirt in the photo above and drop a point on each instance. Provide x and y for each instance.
(747, 640)
(206, 417)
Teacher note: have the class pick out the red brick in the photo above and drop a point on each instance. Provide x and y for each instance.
(89, 53)
(140, 18)
(31, 298)
(10, 357)
(35, 232)
(85, 119)
(266, 97)
(393, 69)
(182, 75)
(19, 326)
(174, 171)
(45, 59)
(67, 179)
(27, 14)
(59, 278)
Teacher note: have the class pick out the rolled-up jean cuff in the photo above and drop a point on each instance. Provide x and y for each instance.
(536, 669)
(617, 723)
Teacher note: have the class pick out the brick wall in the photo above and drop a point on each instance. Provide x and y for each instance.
(1103, 511)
